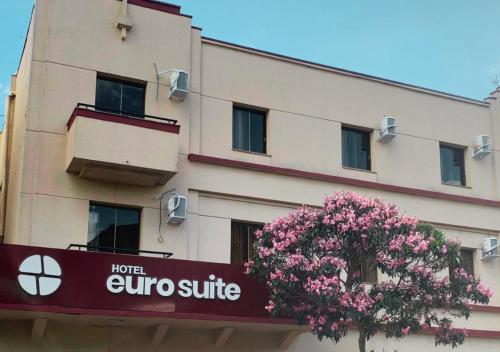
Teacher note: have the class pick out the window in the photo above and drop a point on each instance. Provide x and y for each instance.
(249, 130)
(113, 229)
(356, 148)
(242, 235)
(452, 165)
(369, 270)
(120, 96)
(466, 261)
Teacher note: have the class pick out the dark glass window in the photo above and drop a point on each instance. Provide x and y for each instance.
(249, 130)
(114, 229)
(452, 165)
(242, 236)
(120, 96)
(467, 260)
(356, 148)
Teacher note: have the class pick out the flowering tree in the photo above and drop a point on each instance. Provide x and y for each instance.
(311, 262)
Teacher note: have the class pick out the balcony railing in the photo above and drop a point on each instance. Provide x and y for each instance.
(118, 250)
(127, 114)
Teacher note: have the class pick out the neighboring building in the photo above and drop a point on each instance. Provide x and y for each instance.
(85, 161)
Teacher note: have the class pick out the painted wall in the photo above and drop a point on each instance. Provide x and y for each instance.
(71, 42)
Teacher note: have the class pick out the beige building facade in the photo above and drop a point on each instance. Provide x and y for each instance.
(71, 155)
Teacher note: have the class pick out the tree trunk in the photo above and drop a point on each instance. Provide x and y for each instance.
(362, 339)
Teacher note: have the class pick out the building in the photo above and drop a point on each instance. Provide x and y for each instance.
(94, 149)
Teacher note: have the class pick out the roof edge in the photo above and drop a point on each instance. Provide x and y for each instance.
(159, 6)
(341, 71)
(26, 38)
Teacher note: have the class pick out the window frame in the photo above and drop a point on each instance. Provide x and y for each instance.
(250, 109)
(114, 249)
(122, 81)
(463, 169)
(361, 130)
(248, 239)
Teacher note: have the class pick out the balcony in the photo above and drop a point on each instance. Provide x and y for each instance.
(110, 146)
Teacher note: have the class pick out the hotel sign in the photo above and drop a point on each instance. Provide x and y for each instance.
(133, 280)
(69, 280)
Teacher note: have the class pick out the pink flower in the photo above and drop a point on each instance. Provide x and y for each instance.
(484, 290)
(306, 260)
(270, 307)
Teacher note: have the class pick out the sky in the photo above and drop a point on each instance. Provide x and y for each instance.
(446, 45)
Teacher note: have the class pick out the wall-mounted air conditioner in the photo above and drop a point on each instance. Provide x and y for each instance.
(490, 248)
(387, 129)
(176, 208)
(481, 147)
(179, 84)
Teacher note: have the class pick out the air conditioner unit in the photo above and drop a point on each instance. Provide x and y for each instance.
(179, 84)
(490, 248)
(176, 207)
(387, 129)
(481, 147)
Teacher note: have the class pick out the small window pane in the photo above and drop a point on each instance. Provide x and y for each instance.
(127, 229)
(356, 148)
(242, 238)
(133, 99)
(257, 132)
(467, 260)
(108, 95)
(249, 130)
(113, 227)
(101, 231)
(241, 126)
(452, 166)
(120, 96)
(237, 238)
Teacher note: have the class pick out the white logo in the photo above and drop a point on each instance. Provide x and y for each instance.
(39, 275)
(133, 280)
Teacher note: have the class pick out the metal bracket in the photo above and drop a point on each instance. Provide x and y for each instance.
(158, 75)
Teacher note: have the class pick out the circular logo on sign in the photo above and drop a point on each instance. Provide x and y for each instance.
(39, 275)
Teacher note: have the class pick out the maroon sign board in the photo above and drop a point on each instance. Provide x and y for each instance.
(65, 280)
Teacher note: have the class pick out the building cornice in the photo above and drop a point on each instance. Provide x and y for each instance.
(341, 180)
(159, 6)
(478, 333)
